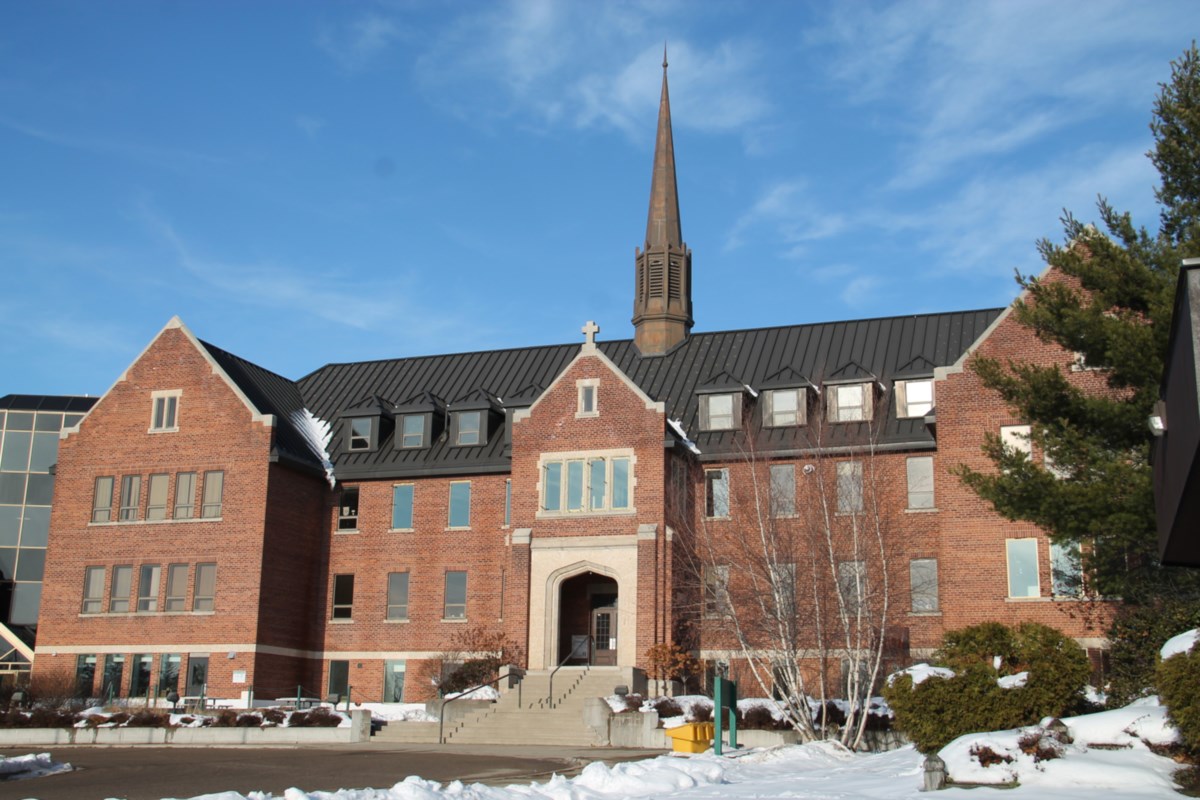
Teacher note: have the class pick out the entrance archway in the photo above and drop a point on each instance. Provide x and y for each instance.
(587, 619)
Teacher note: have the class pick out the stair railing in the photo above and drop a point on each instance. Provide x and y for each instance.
(573, 654)
(460, 696)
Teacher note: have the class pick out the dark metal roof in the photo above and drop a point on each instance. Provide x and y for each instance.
(272, 394)
(42, 402)
(880, 348)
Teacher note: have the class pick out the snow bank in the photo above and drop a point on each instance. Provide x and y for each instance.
(1183, 643)
(31, 766)
(399, 712)
(1109, 751)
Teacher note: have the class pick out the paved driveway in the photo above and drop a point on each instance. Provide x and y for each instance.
(152, 773)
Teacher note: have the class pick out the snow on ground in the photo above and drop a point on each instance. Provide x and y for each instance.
(31, 766)
(1183, 643)
(400, 712)
(1125, 767)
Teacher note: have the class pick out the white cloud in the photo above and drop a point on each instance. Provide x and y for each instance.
(786, 215)
(964, 80)
(310, 125)
(861, 292)
(587, 65)
(357, 43)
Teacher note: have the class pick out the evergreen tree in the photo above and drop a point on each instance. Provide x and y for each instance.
(1109, 299)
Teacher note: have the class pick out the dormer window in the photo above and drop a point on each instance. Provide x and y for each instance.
(914, 398)
(412, 430)
(361, 430)
(165, 411)
(784, 408)
(720, 412)
(469, 424)
(849, 402)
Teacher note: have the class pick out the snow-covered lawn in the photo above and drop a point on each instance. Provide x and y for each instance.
(1123, 767)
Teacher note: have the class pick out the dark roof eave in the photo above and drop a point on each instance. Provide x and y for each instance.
(296, 463)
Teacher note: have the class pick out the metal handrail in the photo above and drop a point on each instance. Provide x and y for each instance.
(561, 664)
(442, 710)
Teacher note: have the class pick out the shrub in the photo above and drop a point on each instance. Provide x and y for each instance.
(226, 718)
(472, 673)
(1136, 636)
(702, 712)
(274, 716)
(1178, 681)
(148, 719)
(760, 718)
(939, 710)
(119, 718)
(633, 702)
(249, 721)
(319, 717)
(986, 756)
(667, 707)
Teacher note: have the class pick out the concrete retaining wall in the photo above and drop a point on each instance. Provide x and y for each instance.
(359, 731)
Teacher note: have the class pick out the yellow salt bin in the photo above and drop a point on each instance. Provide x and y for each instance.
(692, 737)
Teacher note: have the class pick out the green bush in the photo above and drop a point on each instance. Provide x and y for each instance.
(1136, 636)
(939, 710)
(472, 673)
(1178, 681)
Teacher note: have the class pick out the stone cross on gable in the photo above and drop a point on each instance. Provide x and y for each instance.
(589, 332)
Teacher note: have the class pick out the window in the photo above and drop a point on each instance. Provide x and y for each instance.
(204, 597)
(85, 676)
(412, 430)
(148, 587)
(1066, 570)
(343, 596)
(716, 591)
(339, 679)
(168, 673)
(177, 579)
(348, 509)
(785, 408)
(923, 585)
(102, 500)
(914, 398)
(920, 482)
(131, 491)
(720, 412)
(402, 507)
(1016, 437)
(214, 487)
(1023, 568)
(593, 483)
(456, 595)
(397, 595)
(165, 411)
(118, 601)
(139, 675)
(361, 433)
(393, 681)
(783, 490)
(716, 493)
(460, 504)
(469, 428)
(850, 402)
(508, 502)
(587, 400)
(783, 585)
(849, 487)
(852, 585)
(93, 590)
(185, 495)
(156, 503)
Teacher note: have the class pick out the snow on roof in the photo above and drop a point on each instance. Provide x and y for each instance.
(317, 432)
(677, 426)
(1183, 643)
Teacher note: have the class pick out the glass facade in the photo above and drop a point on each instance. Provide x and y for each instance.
(29, 435)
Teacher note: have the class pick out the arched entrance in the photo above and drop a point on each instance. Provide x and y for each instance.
(587, 619)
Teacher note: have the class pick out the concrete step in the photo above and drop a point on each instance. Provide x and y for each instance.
(407, 732)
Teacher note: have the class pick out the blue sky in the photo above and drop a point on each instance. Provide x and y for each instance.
(305, 183)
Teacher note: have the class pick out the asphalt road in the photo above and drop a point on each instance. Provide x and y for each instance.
(152, 773)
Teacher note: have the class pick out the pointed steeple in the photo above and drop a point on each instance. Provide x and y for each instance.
(662, 223)
(662, 305)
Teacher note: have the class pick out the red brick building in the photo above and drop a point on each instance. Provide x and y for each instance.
(218, 528)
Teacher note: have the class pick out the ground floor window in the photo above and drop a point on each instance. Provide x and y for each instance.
(139, 675)
(114, 672)
(85, 675)
(339, 679)
(393, 681)
(168, 673)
